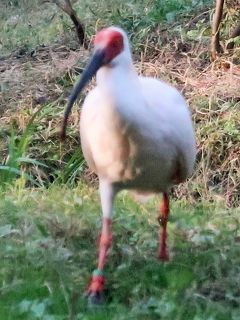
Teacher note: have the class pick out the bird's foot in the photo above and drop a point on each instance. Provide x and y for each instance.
(95, 290)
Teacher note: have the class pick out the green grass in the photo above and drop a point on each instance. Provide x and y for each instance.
(47, 253)
(44, 23)
(48, 234)
(35, 153)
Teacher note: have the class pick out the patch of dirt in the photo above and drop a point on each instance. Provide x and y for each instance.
(34, 77)
(212, 90)
(193, 73)
(28, 79)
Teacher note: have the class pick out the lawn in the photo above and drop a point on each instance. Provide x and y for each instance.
(50, 214)
(48, 251)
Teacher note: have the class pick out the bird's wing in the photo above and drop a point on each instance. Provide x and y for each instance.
(168, 106)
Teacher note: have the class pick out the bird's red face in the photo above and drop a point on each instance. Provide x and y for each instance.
(108, 45)
(111, 42)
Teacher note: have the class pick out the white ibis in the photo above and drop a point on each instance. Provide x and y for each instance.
(136, 133)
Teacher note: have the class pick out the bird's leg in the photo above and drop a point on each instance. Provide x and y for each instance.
(163, 219)
(107, 194)
(97, 282)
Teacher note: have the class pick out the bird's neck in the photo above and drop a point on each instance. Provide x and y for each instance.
(121, 84)
(118, 74)
(109, 76)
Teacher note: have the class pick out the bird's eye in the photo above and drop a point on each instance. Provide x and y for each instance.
(117, 45)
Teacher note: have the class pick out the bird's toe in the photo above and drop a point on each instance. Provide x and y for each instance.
(95, 290)
(95, 299)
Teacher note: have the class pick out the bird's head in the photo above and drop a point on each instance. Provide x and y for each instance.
(109, 43)
(110, 49)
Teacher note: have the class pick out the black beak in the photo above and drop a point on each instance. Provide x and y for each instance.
(95, 63)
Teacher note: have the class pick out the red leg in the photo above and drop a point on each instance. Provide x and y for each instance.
(97, 282)
(163, 219)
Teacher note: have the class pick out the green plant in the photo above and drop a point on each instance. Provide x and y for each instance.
(17, 159)
(72, 169)
(47, 249)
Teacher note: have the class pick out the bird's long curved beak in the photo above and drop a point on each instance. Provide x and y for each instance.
(95, 63)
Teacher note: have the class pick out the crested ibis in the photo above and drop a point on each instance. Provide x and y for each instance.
(136, 133)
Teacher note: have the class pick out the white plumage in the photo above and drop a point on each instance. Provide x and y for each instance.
(136, 132)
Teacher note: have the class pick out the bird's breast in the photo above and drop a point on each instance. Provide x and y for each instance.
(107, 145)
(122, 151)
(135, 139)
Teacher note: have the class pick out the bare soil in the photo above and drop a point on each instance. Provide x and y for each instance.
(212, 90)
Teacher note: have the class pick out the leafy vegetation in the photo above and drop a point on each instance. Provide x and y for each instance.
(49, 208)
(48, 253)
(52, 22)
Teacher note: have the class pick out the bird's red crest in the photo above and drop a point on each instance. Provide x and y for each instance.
(111, 40)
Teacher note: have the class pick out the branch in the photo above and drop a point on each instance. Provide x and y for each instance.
(215, 41)
(68, 9)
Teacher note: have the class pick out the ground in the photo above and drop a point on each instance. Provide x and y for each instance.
(48, 254)
(50, 213)
(44, 75)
